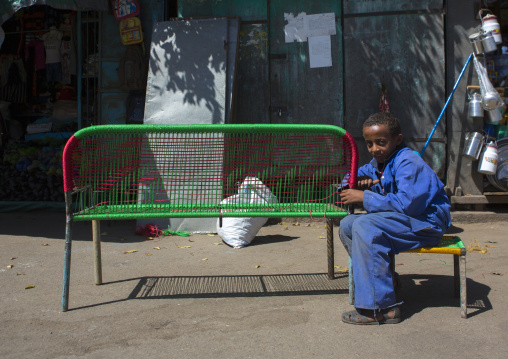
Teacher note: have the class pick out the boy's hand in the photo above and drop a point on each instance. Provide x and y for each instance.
(365, 182)
(351, 196)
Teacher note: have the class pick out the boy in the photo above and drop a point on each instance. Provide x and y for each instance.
(407, 209)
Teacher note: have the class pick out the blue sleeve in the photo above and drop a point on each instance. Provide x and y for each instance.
(416, 185)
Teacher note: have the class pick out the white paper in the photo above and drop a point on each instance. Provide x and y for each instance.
(294, 30)
(320, 51)
(320, 24)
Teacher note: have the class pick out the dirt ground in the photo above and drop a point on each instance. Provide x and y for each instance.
(193, 297)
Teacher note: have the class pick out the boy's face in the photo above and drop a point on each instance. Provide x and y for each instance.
(380, 142)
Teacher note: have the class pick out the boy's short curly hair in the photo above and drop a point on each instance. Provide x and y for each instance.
(384, 118)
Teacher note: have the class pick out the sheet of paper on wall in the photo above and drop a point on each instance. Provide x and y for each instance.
(320, 51)
(294, 30)
(320, 24)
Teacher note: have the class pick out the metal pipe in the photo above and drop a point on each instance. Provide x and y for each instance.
(68, 247)
(329, 240)
(96, 233)
(446, 104)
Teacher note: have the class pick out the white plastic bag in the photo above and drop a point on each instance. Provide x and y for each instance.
(490, 97)
(238, 232)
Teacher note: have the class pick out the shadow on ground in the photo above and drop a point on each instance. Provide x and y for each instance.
(420, 292)
(233, 286)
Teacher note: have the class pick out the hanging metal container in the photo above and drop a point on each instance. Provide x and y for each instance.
(473, 146)
(475, 109)
(476, 43)
(488, 42)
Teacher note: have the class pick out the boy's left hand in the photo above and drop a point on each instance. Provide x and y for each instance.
(351, 196)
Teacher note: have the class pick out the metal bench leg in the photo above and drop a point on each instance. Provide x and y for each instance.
(67, 257)
(329, 240)
(456, 276)
(96, 232)
(463, 288)
(351, 282)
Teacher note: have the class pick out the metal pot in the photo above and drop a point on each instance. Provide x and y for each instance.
(476, 43)
(473, 146)
(488, 42)
(475, 106)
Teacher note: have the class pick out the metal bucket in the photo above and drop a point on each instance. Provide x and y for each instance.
(488, 42)
(476, 43)
(475, 108)
(494, 116)
(473, 146)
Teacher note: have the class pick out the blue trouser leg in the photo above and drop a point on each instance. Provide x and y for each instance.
(368, 238)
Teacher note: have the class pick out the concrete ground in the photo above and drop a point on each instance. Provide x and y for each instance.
(192, 297)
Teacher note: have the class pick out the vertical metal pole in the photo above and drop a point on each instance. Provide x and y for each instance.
(463, 288)
(456, 276)
(67, 257)
(96, 229)
(329, 240)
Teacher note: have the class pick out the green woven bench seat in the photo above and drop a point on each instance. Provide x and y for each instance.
(125, 172)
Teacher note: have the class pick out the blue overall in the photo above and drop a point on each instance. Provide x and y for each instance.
(407, 209)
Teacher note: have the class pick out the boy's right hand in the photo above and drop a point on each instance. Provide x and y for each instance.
(365, 182)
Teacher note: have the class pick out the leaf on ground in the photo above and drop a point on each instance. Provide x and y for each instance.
(10, 266)
(30, 287)
(307, 225)
(131, 251)
(285, 228)
(491, 242)
(218, 243)
(296, 224)
(190, 240)
(489, 246)
(496, 273)
(183, 246)
(340, 269)
(474, 246)
(45, 244)
(12, 258)
(204, 259)
(20, 274)
(257, 266)
(148, 254)
(322, 237)
(158, 248)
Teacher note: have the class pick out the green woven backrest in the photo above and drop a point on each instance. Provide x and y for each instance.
(147, 171)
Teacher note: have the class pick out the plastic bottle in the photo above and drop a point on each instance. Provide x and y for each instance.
(488, 159)
(489, 23)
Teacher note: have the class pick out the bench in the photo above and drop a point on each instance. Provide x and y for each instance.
(448, 245)
(120, 172)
